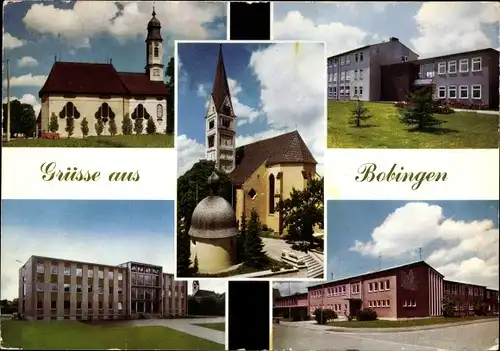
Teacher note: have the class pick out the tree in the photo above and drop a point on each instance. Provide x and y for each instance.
(448, 307)
(138, 126)
(170, 73)
(195, 265)
(150, 126)
(241, 238)
(359, 114)
(254, 247)
(183, 250)
(127, 125)
(99, 127)
(84, 126)
(53, 123)
(418, 112)
(112, 129)
(22, 118)
(303, 211)
(322, 316)
(70, 126)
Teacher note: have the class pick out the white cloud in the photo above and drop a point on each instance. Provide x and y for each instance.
(290, 288)
(27, 61)
(76, 26)
(27, 80)
(201, 92)
(27, 99)
(10, 42)
(465, 251)
(459, 30)
(245, 114)
(188, 153)
(339, 37)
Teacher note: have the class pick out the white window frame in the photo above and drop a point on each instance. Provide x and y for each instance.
(356, 57)
(388, 303)
(370, 287)
(360, 74)
(454, 62)
(347, 76)
(414, 303)
(355, 90)
(342, 76)
(442, 65)
(360, 91)
(360, 57)
(460, 89)
(477, 60)
(330, 77)
(369, 304)
(335, 77)
(342, 60)
(472, 87)
(355, 74)
(441, 89)
(450, 89)
(375, 286)
(462, 61)
(405, 303)
(156, 72)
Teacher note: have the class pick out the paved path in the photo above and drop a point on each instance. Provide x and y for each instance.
(187, 325)
(470, 337)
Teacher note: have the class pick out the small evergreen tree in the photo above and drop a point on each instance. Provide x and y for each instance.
(195, 266)
(138, 126)
(70, 126)
(241, 238)
(84, 126)
(53, 123)
(99, 127)
(127, 127)
(112, 127)
(418, 112)
(150, 126)
(255, 256)
(183, 250)
(359, 114)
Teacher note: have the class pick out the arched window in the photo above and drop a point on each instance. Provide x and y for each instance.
(69, 110)
(271, 194)
(156, 51)
(105, 113)
(159, 112)
(140, 112)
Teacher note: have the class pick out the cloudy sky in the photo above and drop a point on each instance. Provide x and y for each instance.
(458, 238)
(430, 28)
(275, 88)
(93, 31)
(106, 232)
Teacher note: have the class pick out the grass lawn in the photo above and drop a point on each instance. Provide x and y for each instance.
(132, 141)
(244, 270)
(384, 130)
(215, 326)
(407, 323)
(76, 335)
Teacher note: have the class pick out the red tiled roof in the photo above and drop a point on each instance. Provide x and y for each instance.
(98, 79)
(285, 148)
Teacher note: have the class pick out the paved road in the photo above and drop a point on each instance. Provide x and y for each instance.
(471, 337)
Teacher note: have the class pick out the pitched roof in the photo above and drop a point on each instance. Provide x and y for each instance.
(98, 79)
(220, 88)
(285, 148)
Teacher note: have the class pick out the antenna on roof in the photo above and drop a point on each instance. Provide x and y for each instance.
(420, 253)
(110, 60)
(55, 58)
(379, 262)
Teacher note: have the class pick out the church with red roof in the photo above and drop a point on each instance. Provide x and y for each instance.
(97, 91)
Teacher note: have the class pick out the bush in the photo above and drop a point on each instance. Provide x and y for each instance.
(150, 126)
(127, 125)
(112, 127)
(99, 127)
(70, 126)
(53, 123)
(84, 125)
(366, 314)
(322, 316)
(138, 126)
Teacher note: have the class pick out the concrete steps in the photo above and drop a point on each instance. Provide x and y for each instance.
(314, 268)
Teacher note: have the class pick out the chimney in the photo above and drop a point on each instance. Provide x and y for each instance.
(393, 39)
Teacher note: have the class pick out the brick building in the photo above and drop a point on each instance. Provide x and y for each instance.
(408, 291)
(468, 296)
(51, 288)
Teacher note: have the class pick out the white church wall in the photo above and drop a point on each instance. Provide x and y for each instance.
(151, 105)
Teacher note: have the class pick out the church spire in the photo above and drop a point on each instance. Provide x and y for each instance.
(154, 49)
(220, 90)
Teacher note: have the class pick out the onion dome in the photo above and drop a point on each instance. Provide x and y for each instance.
(154, 28)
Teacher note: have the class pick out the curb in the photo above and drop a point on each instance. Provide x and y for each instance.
(409, 329)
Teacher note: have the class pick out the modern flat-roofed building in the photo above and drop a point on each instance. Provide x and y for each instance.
(51, 288)
(388, 71)
(413, 290)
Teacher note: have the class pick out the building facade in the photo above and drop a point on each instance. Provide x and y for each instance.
(468, 296)
(389, 71)
(51, 288)
(98, 92)
(414, 290)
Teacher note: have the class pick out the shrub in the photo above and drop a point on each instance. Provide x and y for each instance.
(127, 127)
(112, 127)
(53, 123)
(150, 126)
(70, 126)
(366, 314)
(138, 126)
(99, 127)
(322, 316)
(84, 125)
(448, 307)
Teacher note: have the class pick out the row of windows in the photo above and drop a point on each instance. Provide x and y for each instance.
(410, 303)
(345, 91)
(461, 67)
(105, 112)
(345, 60)
(379, 286)
(77, 288)
(460, 92)
(54, 269)
(67, 305)
(335, 307)
(379, 303)
(145, 279)
(346, 76)
(461, 290)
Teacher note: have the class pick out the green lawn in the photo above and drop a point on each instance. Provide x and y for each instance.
(132, 141)
(76, 335)
(215, 326)
(406, 323)
(384, 130)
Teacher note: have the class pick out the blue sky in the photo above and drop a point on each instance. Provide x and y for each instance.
(421, 26)
(458, 238)
(107, 232)
(93, 31)
(275, 88)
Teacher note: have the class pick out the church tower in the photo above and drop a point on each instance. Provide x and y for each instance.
(154, 50)
(220, 122)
